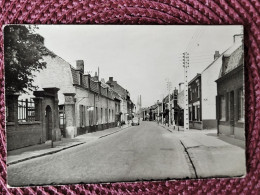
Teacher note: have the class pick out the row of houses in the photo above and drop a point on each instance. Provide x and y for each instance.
(67, 103)
(215, 96)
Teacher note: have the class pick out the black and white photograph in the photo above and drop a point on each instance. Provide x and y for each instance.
(123, 103)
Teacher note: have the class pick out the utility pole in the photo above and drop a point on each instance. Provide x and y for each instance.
(186, 112)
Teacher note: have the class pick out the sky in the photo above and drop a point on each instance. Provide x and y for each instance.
(141, 58)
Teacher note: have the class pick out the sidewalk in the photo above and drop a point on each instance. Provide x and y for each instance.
(207, 132)
(30, 152)
(212, 155)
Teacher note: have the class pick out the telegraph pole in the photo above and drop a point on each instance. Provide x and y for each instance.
(186, 103)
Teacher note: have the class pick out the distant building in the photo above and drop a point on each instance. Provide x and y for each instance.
(124, 104)
(179, 106)
(230, 94)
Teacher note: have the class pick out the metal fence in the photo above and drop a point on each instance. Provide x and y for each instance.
(26, 110)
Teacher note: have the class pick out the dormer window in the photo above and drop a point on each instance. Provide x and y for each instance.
(80, 78)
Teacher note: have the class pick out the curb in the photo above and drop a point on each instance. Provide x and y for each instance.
(59, 150)
(114, 132)
(44, 154)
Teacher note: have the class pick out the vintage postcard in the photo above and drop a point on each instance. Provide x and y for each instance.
(123, 103)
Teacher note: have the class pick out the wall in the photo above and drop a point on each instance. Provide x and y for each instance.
(232, 82)
(181, 99)
(209, 90)
(56, 74)
(28, 134)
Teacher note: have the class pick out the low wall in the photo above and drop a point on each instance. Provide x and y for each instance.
(90, 129)
(239, 131)
(209, 124)
(27, 134)
(195, 124)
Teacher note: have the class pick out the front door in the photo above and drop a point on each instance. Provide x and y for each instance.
(48, 119)
(232, 115)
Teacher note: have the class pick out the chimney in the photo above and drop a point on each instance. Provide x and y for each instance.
(96, 77)
(238, 38)
(80, 65)
(180, 86)
(216, 55)
(175, 91)
(110, 78)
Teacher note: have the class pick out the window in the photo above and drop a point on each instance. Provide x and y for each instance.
(82, 115)
(109, 119)
(101, 115)
(198, 113)
(195, 113)
(222, 107)
(96, 116)
(189, 93)
(91, 115)
(198, 90)
(190, 113)
(241, 105)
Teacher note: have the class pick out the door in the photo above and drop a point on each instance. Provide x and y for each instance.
(48, 120)
(231, 112)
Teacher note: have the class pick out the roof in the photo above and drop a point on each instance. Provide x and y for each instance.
(232, 60)
(197, 76)
(118, 88)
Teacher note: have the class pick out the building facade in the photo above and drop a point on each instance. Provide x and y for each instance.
(194, 95)
(124, 97)
(230, 95)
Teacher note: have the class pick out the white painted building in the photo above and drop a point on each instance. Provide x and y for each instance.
(209, 87)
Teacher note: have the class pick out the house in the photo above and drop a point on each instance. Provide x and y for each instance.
(194, 96)
(179, 106)
(124, 104)
(209, 86)
(230, 94)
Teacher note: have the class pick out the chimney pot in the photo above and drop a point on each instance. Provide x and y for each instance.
(110, 78)
(80, 65)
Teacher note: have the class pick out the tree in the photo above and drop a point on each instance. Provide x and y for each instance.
(23, 52)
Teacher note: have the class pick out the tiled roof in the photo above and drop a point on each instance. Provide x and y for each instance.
(118, 88)
(103, 91)
(94, 86)
(232, 61)
(110, 94)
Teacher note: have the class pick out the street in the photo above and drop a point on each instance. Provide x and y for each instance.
(145, 152)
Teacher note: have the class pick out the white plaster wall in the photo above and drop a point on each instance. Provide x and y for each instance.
(123, 109)
(83, 97)
(209, 89)
(56, 74)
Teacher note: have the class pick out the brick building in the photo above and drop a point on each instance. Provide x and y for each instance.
(230, 95)
(194, 95)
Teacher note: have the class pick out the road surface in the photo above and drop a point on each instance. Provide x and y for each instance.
(145, 152)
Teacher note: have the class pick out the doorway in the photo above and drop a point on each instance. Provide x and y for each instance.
(48, 120)
(232, 115)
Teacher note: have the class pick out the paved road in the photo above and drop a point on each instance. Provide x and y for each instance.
(142, 152)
